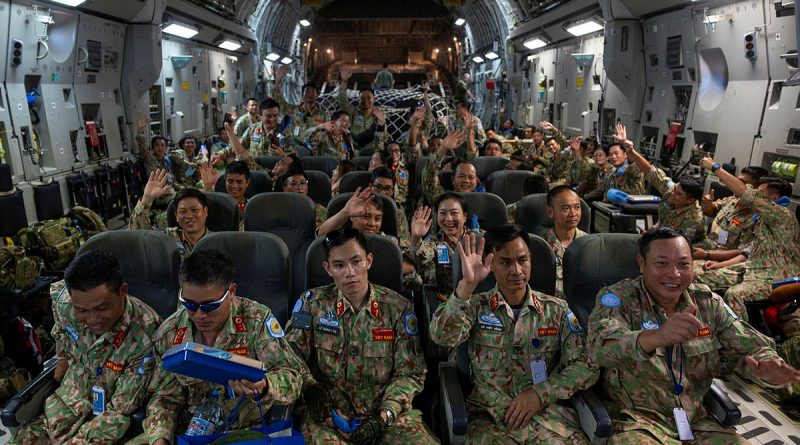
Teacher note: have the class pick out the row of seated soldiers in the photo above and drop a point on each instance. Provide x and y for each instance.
(743, 250)
(353, 347)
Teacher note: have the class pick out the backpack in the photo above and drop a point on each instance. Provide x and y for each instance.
(56, 241)
(88, 221)
(17, 270)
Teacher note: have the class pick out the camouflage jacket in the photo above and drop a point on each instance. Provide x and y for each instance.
(151, 163)
(429, 266)
(244, 123)
(639, 386)
(368, 359)
(511, 212)
(558, 249)
(480, 133)
(361, 123)
(774, 253)
(688, 219)
(320, 214)
(591, 180)
(251, 330)
(301, 119)
(184, 169)
(630, 181)
(258, 140)
(120, 361)
(577, 170)
(324, 144)
(140, 220)
(431, 187)
(400, 184)
(734, 224)
(502, 348)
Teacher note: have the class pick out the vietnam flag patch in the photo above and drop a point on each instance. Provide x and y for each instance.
(383, 334)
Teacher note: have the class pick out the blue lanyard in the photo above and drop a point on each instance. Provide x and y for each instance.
(677, 387)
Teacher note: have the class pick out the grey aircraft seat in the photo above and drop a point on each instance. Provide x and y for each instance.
(446, 179)
(490, 209)
(416, 185)
(223, 213)
(486, 165)
(386, 270)
(48, 201)
(362, 162)
(508, 184)
(368, 151)
(352, 180)
(12, 207)
(302, 151)
(263, 272)
(319, 186)
(454, 377)
(583, 279)
(267, 162)
(531, 214)
(290, 216)
(260, 182)
(389, 223)
(325, 164)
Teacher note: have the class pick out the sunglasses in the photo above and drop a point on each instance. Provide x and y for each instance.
(337, 236)
(205, 307)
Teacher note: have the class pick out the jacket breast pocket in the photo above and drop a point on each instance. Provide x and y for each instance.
(702, 357)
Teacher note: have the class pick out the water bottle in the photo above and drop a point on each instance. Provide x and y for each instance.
(206, 416)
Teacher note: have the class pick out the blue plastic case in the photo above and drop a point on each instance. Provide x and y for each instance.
(210, 364)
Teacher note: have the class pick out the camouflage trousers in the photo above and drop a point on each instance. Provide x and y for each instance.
(58, 424)
(739, 289)
(407, 429)
(641, 437)
(482, 429)
(790, 351)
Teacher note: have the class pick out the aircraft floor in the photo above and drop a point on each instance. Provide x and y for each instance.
(765, 420)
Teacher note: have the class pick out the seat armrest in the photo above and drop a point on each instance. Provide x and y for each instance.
(721, 406)
(430, 303)
(453, 406)
(594, 418)
(29, 402)
(137, 419)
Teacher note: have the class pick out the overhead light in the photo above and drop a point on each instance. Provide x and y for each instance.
(534, 43)
(449, 49)
(286, 60)
(491, 55)
(477, 59)
(460, 21)
(180, 30)
(230, 44)
(70, 2)
(273, 57)
(582, 28)
(328, 50)
(436, 50)
(305, 22)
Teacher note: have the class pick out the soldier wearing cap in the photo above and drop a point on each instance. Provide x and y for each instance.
(564, 208)
(361, 344)
(104, 346)
(212, 314)
(660, 340)
(526, 351)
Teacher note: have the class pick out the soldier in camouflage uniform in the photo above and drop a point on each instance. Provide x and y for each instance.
(564, 208)
(532, 185)
(660, 340)
(361, 343)
(191, 212)
(249, 119)
(383, 182)
(367, 122)
(332, 138)
(400, 172)
(237, 179)
(434, 254)
(213, 315)
(577, 163)
(295, 180)
(184, 162)
(772, 255)
(623, 176)
(104, 347)
(595, 174)
(525, 348)
(465, 176)
(303, 116)
(680, 205)
(470, 125)
(422, 128)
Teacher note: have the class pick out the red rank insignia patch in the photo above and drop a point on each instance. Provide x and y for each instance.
(704, 332)
(179, 336)
(241, 350)
(494, 302)
(373, 309)
(119, 338)
(736, 222)
(383, 334)
(116, 367)
(547, 332)
(239, 323)
(339, 308)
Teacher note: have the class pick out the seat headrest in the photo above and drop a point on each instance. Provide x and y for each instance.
(325, 164)
(319, 186)
(508, 184)
(486, 165)
(389, 222)
(285, 210)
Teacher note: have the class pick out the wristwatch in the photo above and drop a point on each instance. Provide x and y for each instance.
(715, 167)
(389, 416)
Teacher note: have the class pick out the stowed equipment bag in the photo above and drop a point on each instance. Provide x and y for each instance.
(86, 220)
(57, 241)
(17, 270)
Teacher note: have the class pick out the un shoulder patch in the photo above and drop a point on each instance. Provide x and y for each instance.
(610, 299)
(274, 328)
(410, 324)
(573, 323)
